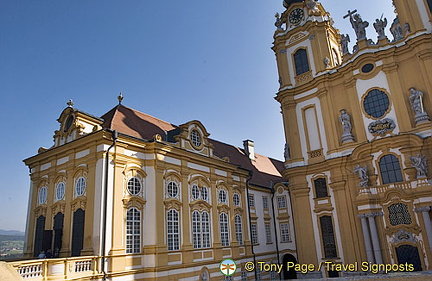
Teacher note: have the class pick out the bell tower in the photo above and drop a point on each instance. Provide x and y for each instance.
(305, 42)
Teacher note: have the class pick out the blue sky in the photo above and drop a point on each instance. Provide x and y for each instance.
(175, 60)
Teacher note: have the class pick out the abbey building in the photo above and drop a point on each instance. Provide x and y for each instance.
(358, 134)
(131, 197)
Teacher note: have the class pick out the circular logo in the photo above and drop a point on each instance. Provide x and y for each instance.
(227, 267)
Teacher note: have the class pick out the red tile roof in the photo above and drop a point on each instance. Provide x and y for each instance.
(140, 125)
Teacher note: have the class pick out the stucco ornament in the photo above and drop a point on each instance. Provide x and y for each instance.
(344, 43)
(345, 120)
(361, 171)
(381, 126)
(357, 24)
(420, 164)
(379, 26)
(416, 99)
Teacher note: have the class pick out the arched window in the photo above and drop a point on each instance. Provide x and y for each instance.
(223, 222)
(390, 169)
(173, 234)
(301, 62)
(238, 229)
(196, 229)
(320, 188)
(133, 231)
(205, 228)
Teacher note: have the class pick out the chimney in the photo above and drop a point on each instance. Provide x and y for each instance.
(249, 149)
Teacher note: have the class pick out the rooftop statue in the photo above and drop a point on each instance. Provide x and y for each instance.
(358, 24)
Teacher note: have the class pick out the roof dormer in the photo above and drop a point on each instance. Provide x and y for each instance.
(194, 137)
(74, 124)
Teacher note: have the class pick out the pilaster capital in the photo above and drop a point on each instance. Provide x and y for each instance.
(376, 214)
(422, 209)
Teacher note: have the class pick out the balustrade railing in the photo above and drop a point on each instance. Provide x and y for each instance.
(76, 268)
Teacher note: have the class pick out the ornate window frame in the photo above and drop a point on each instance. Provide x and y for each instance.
(367, 92)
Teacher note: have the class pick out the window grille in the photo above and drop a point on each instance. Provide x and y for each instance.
(399, 214)
(327, 235)
(284, 228)
(80, 186)
(254, 233)
(134, 186)
(268, 233)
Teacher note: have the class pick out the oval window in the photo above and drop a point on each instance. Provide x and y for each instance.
(367, 68)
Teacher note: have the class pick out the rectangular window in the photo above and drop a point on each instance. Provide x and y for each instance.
(133, 231)
(284, 229)
(282, 204)
(251, 201)
(265, 202)
(328, 239)
(320, 188)
(254, 233)
(173, 234)
(223, 222)
(268, 233)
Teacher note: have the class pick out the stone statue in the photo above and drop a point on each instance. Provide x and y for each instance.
(416, 99)
(312, 6)
(420, 164)
(287, 152)
(345, 119)
(361, 171)
(344, 43)
(278, 22)
(396, 30)
(379, 26)
(358, 24)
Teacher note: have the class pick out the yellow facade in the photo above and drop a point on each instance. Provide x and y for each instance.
(358, 136)
(176, 202)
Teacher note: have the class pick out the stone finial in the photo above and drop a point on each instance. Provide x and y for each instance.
(70, 103)
(120, 98)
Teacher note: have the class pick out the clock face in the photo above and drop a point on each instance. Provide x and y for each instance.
(296, 16)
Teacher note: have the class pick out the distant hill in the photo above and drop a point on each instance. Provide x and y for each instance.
(11, 232)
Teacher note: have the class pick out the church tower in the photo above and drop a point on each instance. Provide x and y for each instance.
(358, 135)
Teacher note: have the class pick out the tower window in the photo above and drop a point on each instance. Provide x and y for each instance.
(390, 169)
(301, 62)
(320, 188)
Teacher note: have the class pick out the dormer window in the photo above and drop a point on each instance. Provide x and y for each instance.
(68, 123)
(195, 138)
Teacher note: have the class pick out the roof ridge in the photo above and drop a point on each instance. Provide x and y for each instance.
(149, 115)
